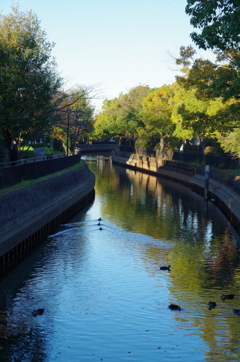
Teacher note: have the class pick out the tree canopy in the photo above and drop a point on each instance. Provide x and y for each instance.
(29, 80)
(157, 110)
(217, 21)
(121, 117)
(203, 102)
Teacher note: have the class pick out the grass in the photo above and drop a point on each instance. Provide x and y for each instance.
(235, 171)
(26, 152)
(25, 183)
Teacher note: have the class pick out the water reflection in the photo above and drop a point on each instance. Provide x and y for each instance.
(104, 295)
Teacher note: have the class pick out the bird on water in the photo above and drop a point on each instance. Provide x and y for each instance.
(38, 312)
(227, 296)
(212, 305)
(164, 267)
(174, 307)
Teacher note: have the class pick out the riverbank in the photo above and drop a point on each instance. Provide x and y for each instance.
(30, 213)
(222, 190)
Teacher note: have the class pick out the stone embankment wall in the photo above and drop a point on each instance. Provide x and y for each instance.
(223, 188)
(30, 213)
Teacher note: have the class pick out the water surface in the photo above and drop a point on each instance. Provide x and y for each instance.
(104, 295)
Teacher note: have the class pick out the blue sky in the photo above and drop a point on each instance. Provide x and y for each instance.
(114, 45)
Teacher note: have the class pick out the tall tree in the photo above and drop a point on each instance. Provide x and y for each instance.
(110, 123)
(79, 123)
(219, 29)
(28, 76)
(218, 21)
(157, 111)
(131, 111)
(121, 117)
(217, 85)
(185, 102)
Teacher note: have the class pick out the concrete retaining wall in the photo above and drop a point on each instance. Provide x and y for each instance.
(30, 213)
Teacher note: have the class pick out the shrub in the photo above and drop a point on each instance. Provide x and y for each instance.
(209, 149)
(2, 150)
(58, 145)
(26, 152)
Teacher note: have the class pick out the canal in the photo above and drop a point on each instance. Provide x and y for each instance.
(104, 295)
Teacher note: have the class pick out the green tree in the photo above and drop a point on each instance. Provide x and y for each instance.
(219, 29)
(185, 127)
(218, 22)
(29, 79)
(157, 112)
(131, 111)
(121, 117)
(216, 87)
(230, 142)
(109, 123)
(220, 79)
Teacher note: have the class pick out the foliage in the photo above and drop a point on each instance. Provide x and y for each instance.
(157, 111)
(104, 122)
(131, 104)
(2, 150)
(218, 22)
(231, 142)
(211, 80)
(214, 88)
(204, 102)
(185, 102)
(82, 124)
(219, 26)
(225, 80)
(26, 152)
(58, 145)
(58, 133)
(208, 150)
(79, 124)
(121, 117)
(28, 76)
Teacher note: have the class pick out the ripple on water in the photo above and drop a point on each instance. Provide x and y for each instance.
(106, 298)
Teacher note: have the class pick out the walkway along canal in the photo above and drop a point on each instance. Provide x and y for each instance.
(103, 293)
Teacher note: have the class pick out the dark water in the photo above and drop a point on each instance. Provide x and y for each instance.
(104, 295)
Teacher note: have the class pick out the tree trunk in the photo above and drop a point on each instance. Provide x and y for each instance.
(161, 143)
(8, 142)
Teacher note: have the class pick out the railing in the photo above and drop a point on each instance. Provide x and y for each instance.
(12, 173)
(218, 161)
